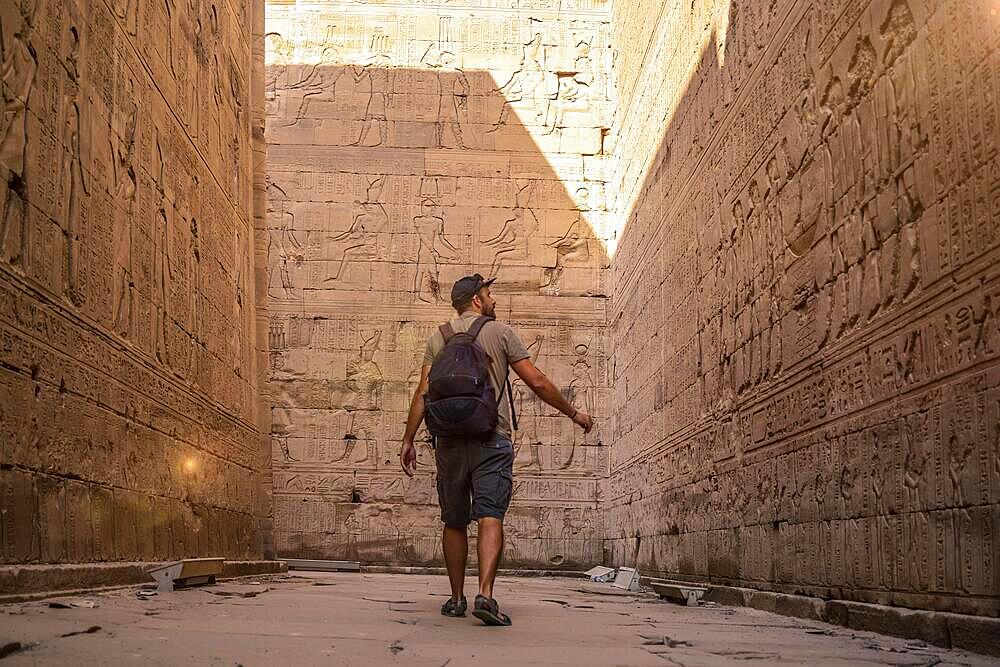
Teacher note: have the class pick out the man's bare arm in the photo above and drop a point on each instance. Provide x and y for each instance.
(408, 453)
(548, 392)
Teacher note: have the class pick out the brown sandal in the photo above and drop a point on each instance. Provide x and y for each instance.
(488, 611)
(454, 608)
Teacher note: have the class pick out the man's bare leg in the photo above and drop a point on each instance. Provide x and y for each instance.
(490, 548)
(343, 261)
(455, 542)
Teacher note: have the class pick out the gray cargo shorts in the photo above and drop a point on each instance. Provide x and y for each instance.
(475, 478)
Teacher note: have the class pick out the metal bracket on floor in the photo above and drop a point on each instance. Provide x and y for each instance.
(627, 578)
(678, 591)
(187, 572)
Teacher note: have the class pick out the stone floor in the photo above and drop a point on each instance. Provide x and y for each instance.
(382, 619)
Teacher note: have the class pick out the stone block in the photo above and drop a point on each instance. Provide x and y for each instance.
(926, 626)
(20, 521)
(976, 634)
(80, 543)
(728, 595)
(102, 512)
(50, 494)
(798, 606)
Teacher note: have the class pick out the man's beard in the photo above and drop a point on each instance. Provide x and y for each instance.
(490, 310)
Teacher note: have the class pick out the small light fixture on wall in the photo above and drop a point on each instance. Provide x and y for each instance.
(190, 465)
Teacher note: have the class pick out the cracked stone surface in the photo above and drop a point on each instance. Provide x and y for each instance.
(354, 619)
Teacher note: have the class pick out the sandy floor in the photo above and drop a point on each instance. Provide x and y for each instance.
(354, 619)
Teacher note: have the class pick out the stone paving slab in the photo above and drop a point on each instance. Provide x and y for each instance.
(384, 619)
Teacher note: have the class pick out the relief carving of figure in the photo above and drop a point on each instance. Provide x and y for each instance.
(319, 82)
(217, 139)
(162, 271)
(430, 233)
(282, 423)
(186, 213)
(525, 83)
(807, 196)
(572, 90)
(571, 247)
(280, 431)
(908, 209)
(527, 442)
(123, 149)
(878, 475)
(278, 54)
(364, 428)
(282, 244)
(453, 96)
(848, 478)
(18, 65)
(819, 492)
(75, 178)
(378, 77)
(814, 187)
(958, 457)
(582, 393)
(773, 234)
(738, 269)
(360, 240)
(915, 463)
(363, 378)
(515, 234)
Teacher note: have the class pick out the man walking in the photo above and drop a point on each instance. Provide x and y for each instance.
(474, 470)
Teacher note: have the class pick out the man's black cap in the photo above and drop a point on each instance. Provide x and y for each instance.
(467, 287)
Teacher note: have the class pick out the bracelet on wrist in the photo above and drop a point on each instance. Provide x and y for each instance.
(575, 413)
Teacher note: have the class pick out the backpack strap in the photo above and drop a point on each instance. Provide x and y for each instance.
(478, 325)
(473, 331)
(446, 332)
(510, 398)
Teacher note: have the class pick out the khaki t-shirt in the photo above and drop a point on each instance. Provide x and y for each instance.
(502, 345)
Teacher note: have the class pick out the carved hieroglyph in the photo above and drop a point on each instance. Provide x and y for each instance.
(408, 147)
(128, 390)
(806, 399)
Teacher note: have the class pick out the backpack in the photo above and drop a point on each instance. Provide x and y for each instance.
(460, 400)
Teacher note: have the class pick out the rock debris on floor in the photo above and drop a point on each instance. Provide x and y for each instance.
(384, 619)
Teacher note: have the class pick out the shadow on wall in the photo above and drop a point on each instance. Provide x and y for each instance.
(823, 417)
(385, 185)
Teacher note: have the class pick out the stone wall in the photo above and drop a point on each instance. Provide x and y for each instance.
(809, 256)
(410, 144)
(128, 390)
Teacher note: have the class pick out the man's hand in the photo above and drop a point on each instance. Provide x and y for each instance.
(408, 458)
(583, 420)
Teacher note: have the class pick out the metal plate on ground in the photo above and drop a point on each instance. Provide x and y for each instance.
(187, 572)
(680, 592)
(600, 574)
(323, 565)
(627, 578)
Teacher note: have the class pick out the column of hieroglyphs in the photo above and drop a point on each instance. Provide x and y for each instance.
(410, 144)
(127, 390)
(809, 256)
